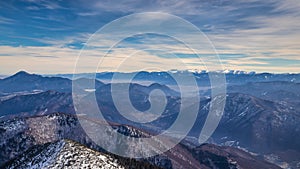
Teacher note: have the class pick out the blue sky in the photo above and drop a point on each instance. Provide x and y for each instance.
(46, 36)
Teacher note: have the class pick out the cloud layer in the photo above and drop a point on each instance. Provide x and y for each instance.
(46, 36)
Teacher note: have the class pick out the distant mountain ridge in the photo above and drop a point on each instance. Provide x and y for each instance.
(232, 76)
(23, 81)
(278, 91)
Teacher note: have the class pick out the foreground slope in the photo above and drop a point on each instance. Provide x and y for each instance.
(69, 154)
(27, 141)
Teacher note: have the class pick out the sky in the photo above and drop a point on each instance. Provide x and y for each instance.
(46, 37)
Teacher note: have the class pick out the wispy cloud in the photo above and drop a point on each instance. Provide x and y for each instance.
(43, 4)
(88, 13)
(5, 20)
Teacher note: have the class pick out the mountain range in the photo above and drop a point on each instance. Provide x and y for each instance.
(260, 122)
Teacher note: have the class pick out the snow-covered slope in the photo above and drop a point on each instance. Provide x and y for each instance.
(18, 135)
(69, 154)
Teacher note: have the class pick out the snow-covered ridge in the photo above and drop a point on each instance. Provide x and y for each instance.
(64, 154)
